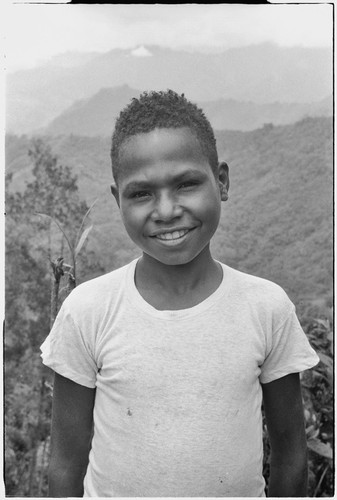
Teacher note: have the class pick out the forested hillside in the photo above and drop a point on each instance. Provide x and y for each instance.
(279, 221)
(276, 224)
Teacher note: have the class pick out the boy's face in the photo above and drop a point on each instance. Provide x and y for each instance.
(168, 195)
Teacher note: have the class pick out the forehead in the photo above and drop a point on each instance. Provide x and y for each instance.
(160, 146)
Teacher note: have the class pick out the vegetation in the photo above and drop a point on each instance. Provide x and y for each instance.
(317, 389)
(31, 274)
(277, 224)
(319, 408)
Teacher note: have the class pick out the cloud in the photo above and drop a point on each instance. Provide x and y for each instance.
(141, 52)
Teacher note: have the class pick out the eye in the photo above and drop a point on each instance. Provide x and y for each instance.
(188, 185)
(140, 194)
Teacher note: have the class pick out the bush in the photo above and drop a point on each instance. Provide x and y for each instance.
(317, 390)
(318, 398)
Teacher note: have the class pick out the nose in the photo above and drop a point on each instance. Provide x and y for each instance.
(166, 208)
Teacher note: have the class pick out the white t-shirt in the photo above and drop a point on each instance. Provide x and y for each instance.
(178, 396)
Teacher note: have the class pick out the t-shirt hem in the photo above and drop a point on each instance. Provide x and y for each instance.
(65, 372)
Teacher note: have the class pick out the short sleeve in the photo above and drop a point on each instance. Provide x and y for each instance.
(289, 352)
(67, 350)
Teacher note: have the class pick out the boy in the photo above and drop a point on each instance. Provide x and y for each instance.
(167, 358)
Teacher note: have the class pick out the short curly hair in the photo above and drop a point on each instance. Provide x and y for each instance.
(162, 110)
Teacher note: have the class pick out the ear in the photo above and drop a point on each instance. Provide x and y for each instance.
(223, 173)
(115, 192)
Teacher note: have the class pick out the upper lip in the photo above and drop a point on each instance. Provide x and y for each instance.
(170, 230)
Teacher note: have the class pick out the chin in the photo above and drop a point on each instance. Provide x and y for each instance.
(174, 260)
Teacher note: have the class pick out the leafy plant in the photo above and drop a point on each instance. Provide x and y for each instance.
(59, 267)
(319, 411)
(317, 389)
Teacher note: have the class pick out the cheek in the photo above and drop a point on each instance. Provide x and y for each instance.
(213, 218)
(133, 218)
(212, 213)
(208, 206)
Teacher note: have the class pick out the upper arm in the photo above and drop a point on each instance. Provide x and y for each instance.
(283, 408)
(72, 420)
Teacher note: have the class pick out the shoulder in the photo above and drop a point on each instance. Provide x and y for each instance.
(253, 285)
(98, 291)
(265, 296)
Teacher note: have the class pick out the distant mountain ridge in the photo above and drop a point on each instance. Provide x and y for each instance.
(262, 74)
(95, 116)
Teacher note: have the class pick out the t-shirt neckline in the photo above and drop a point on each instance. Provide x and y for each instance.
(137, 299)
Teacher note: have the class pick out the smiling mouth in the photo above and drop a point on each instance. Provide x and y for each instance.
(173, 237)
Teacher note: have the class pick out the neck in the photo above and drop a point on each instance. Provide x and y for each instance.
(176, 279)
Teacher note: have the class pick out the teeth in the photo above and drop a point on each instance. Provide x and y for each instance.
(172, 236)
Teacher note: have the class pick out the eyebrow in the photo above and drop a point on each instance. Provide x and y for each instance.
(143, 185)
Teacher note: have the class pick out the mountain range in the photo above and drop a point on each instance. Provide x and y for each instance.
(95, 116)
(239, 78)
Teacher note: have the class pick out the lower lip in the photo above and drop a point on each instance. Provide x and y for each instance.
(175, 242)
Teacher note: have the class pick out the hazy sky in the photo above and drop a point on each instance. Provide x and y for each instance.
(35, 32)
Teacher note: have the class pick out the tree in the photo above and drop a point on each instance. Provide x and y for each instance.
(32, 245)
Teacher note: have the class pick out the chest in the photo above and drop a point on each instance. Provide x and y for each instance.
(205, 357)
